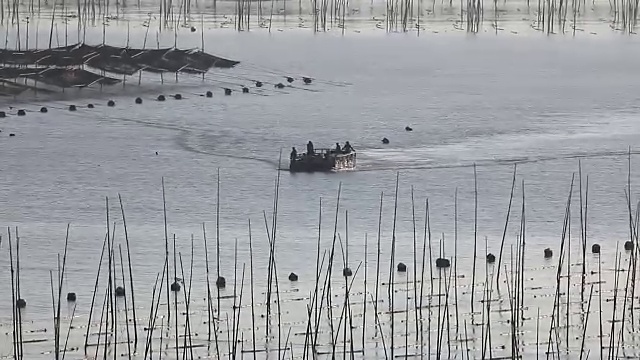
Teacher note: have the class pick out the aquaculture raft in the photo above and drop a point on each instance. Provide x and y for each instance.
(323, 160)
(60, 66)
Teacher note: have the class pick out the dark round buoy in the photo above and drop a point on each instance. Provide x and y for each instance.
(138, 100)
(408, 128)
(402, 267)
(177, 96)
(293, 277)
(161, 98)
(72, 108)
(289, 79)
(245, 90)
(111, 103)
(442, 263)
(119, 291)
(221, 282)
(71, 296)
(3, 114)
(90, 106)
(258, 83)
(491, 258)
(595, 248)
(385, 140)
(21, 112)
(628, 245)
(12, 135)
(548, 253)
(193, 29)
(280, 85)
(209, 94)
(21, 303)
(227, 91)
(347, 272)
(43, 110)
(175, 287)
(307, 80)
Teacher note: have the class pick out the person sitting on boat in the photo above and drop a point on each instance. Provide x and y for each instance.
(338, 149)
(347, 148)
(310, 148)
(294, 154)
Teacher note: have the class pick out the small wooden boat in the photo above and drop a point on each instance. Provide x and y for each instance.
(323, 160)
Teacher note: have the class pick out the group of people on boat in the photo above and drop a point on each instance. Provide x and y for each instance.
(346, 149)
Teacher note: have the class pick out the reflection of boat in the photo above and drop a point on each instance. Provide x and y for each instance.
(324, 160)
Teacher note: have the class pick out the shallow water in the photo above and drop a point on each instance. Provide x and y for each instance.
(544, 103)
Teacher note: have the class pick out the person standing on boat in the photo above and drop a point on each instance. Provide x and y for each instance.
(294, 154)
(310, 148)
(338, 149)
(347, 148)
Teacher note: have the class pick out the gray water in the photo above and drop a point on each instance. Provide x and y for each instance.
(545, 103)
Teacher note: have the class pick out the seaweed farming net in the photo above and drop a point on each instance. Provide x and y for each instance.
(48, 65)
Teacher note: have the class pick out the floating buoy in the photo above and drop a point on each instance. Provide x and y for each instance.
(3, 114)
(209, 94)
(258, 83)
(595, 249)
(21, 112)
(193, 29)
(408, 128)
(245, 90)
(111, 103)
(90, 106)
(442, 263)
(12, 135)
(221, 282)
(72, 108)
(161, 98)
(138, 100)
(628, 245)
(227, 91)
(548, 253)
(491, 258)
(21, 303)
(175, 287)
(43, 110)
(279, 85)
(402, 267)
(177, 96)
(307, 80)
(119, 291)
(385, 140)
(293, 277)
(71, 296)
(289, 79)
(347, 272)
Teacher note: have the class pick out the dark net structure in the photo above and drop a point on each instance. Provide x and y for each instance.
(66, 66)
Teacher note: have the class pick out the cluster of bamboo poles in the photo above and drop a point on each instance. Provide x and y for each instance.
(551, 16)
(423, 313)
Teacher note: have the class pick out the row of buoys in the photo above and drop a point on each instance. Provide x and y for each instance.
(44, 109)
(305, 79)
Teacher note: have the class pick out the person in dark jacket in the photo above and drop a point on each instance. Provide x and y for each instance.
(347, 148)
(310, 148)
(294, 154)
(338, 149)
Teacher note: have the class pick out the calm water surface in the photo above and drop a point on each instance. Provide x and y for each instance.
(541, 102)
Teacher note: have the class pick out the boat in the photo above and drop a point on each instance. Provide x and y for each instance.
(323, 160)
